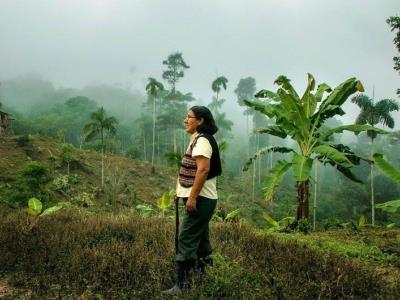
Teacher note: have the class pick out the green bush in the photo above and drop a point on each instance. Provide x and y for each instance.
(304, 225)
(31, 182)
(23, 140)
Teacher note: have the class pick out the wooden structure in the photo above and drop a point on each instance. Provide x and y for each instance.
(5, 123)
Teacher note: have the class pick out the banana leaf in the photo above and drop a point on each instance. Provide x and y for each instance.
(333, 154)
(356, 128)
(301, 167)
(275, 177)
(386, 168)
(263, 151)
(390, 206)
(273, 130)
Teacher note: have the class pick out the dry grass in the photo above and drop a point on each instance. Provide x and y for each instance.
(88, 256)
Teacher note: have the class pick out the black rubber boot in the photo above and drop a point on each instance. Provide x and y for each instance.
(182, 269)
(202, 263)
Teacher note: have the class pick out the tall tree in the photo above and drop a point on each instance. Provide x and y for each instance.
(245, 90)
(176, 66)
(100, 125)
(394, 23)
(218, 84)
(153, 89)
(224, 125)
(301, 119)
(374, 114)
(175, 100)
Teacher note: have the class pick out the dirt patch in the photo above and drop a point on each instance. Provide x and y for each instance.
(4, 288)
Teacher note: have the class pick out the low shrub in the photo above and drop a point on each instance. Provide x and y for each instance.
(23, 140)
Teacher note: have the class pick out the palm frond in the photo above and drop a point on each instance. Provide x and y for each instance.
(387, 120)
(363, 101)
(387, 105)
(362, 118)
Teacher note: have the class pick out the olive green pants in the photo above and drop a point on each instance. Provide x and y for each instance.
(194, 237)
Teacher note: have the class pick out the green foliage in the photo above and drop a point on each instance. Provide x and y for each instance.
(132, 152)
(34, 207)
(23, 140)
(223, 276)
(176, 66)
(173, 158)
(32, 181)
(145, 210)
(394, 23)
(386, 167)
(277, 225)
(245, 89)
(275, 178)
(392, 206)
(375, 113)
(301, 119)
(221, 216)
(304, 226)
(83, 199)
(165, 201)
(100, 125)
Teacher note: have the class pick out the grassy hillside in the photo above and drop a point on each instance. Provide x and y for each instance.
(128, 182)
(101, 247)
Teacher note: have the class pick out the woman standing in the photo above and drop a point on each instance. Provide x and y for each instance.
(197, 187)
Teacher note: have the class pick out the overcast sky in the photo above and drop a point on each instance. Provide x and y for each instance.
(74, 43)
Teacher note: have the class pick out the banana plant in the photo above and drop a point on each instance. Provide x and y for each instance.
(301, 118)
(165, 201)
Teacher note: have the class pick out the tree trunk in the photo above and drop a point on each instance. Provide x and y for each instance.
(144, 145)
(154, 135)
(175, 143)
(102, 159)
(102, 169)
(302, 198)
(253, 179)
(372, 187)
(158, 147)
(315, 195)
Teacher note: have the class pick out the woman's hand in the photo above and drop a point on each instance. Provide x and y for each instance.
(191, 204)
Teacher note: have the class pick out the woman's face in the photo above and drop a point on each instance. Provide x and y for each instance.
(191, 122)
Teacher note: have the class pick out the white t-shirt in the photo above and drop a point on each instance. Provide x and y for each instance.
(209, 190)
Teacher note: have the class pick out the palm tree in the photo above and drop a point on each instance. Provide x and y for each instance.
(373, 114)
(218, 84)
(153, 88)
(301, 119)
(99, 126)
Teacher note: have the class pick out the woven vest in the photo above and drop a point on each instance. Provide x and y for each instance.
(188, 168)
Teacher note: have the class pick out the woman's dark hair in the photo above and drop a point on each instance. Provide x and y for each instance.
(208, 125)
